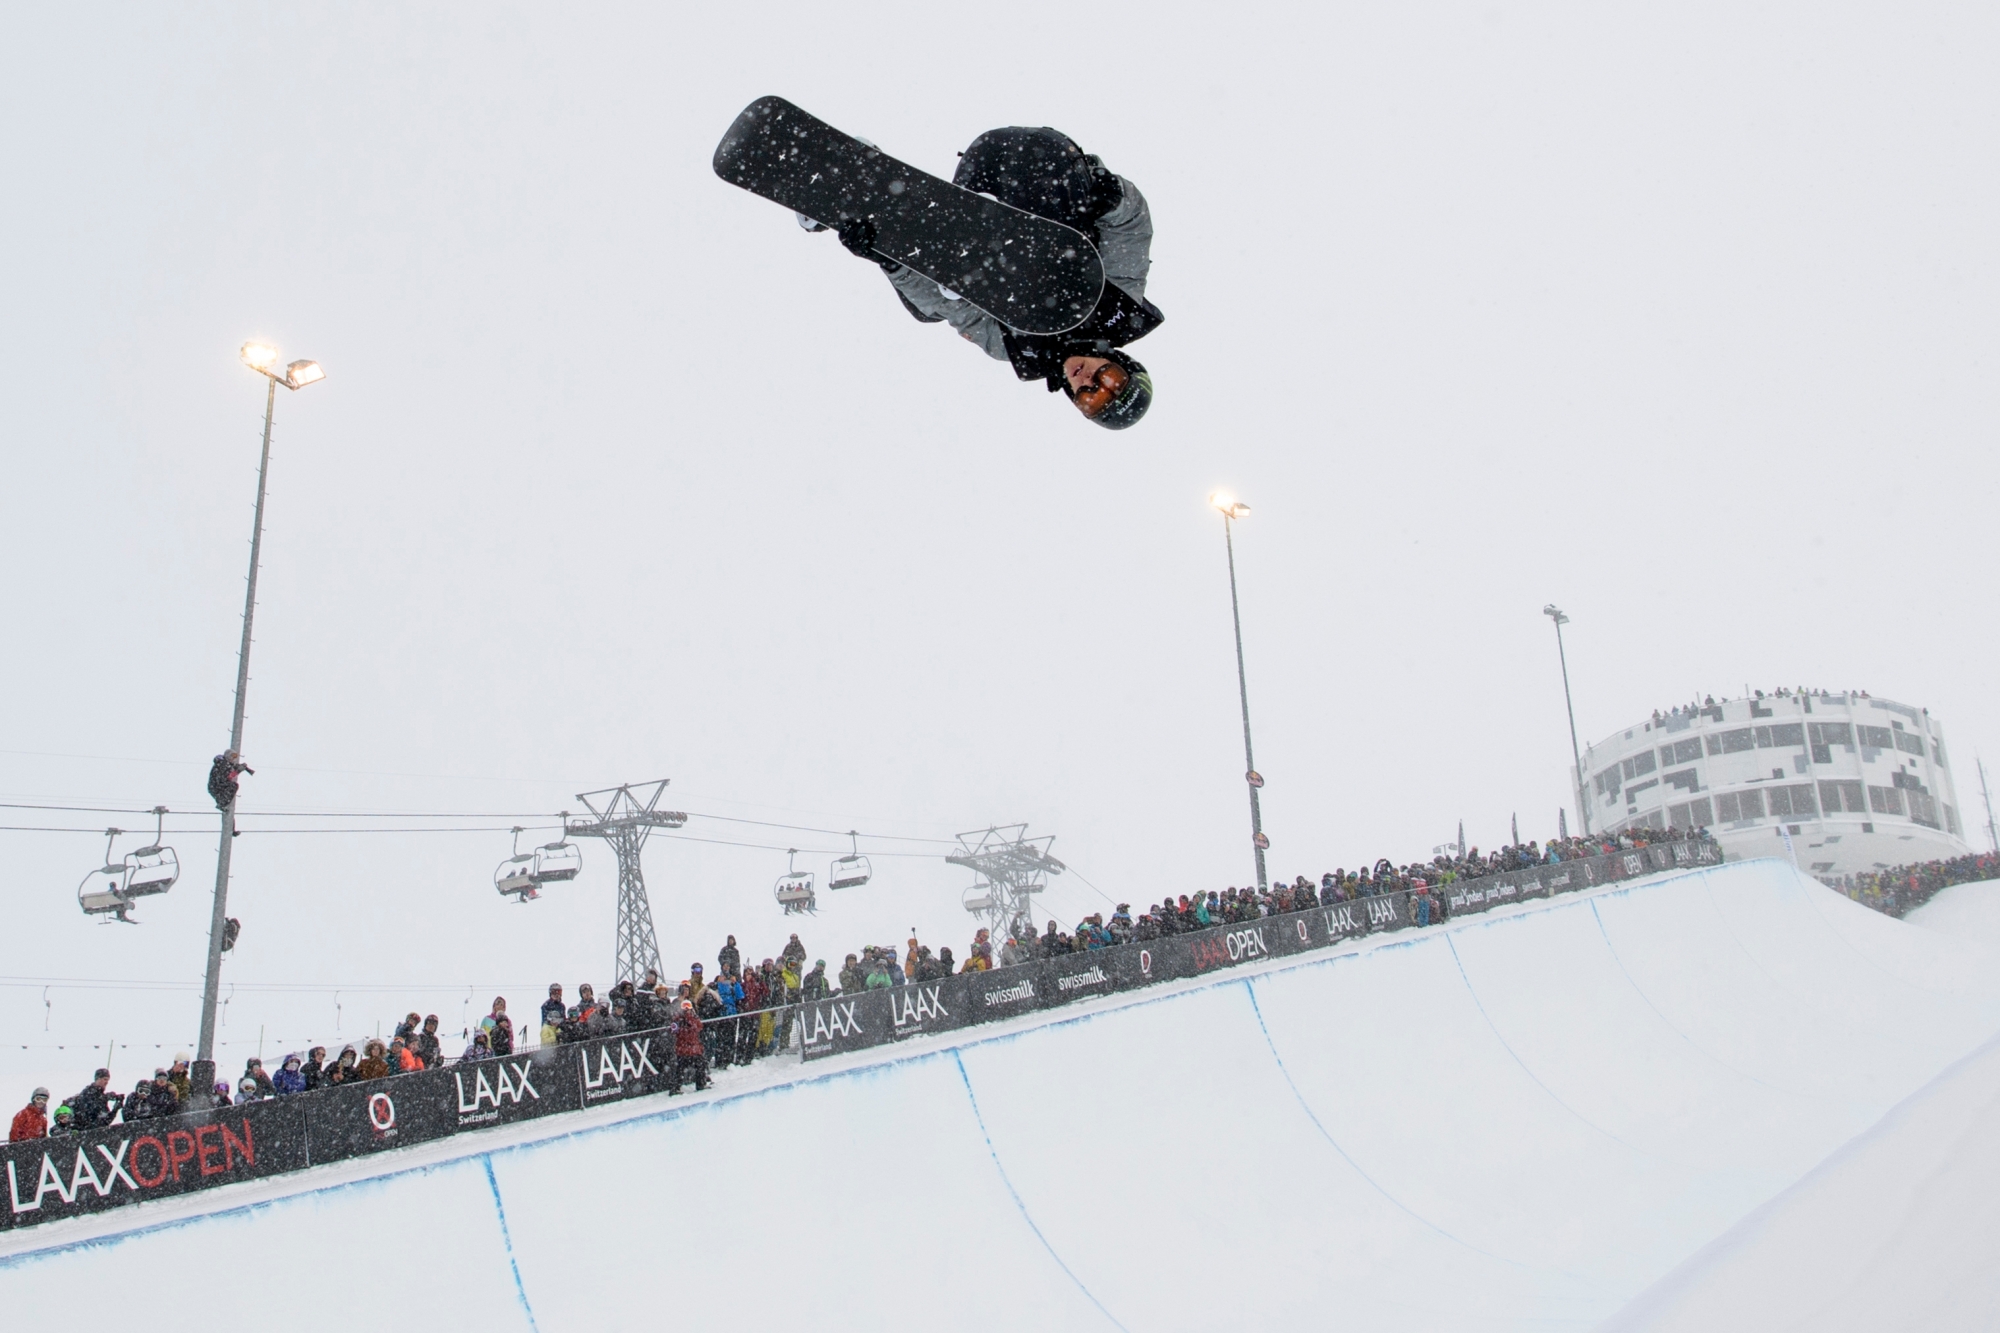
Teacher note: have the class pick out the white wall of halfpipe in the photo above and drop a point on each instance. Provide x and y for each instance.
(1524, 1119)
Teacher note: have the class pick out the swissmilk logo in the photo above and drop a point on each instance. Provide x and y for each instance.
(509, 1084)
(617, 1063)
(1024, 991)
(911, 1005)
(1078, 980)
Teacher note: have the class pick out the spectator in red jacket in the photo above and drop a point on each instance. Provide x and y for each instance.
(32, 1120)
(689, 1058)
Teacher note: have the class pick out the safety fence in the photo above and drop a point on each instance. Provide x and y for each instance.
(48, 1179)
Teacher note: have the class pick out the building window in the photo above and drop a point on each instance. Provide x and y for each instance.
(1843, 795)
(1734, 805)
(1732, 742)
(1680, 752)
(1909, 744)
(1879, 738)
(1607, 784)
(1831, 733)
(1638, 764)
(1685, 780)
(1951, 823)
(1923, 808)
(1793, 802)
(1781, 734)
(1700, 813)
(1886, 800)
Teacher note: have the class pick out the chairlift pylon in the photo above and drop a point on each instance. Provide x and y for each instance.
(850, 871)
(794, 889)
(112, 888)
(514, 877)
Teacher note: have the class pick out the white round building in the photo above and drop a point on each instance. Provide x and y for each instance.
(1858, 783)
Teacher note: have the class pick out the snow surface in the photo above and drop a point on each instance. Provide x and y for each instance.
(1526, 1119)
(1900, 1229)
(1968, 910)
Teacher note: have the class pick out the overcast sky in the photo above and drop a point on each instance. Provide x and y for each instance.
(1682, 317)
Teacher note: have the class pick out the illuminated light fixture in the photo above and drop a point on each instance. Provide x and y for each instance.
(301, 373)
(259, 356)
(1228, 504)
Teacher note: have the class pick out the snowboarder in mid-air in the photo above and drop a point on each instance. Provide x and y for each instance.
(1035, 252)
(1043, 172)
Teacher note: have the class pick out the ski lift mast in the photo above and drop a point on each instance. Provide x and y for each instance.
(625, 817)
(1011, 868)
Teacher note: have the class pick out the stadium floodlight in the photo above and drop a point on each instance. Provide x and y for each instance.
(260, 357)
(1232, 509)
(1554, 613)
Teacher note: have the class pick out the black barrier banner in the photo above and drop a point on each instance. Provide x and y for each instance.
(108, 1168)
(1342, 920)
(358, 1118)
(924, 1007)
(1078, 976)
(1009, 992)
(516, 1087)
(634, 1065)
(1141, 964)
(844, 1023)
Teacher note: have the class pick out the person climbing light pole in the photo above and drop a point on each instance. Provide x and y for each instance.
(1232, 509)
(260, 357)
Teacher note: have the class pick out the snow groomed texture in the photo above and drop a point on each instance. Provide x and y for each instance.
(1524, 1119)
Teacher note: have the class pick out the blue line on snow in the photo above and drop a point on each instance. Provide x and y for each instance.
(507, 1239)
(1015, 1194)
(1507, 1046)
(1335, 1145)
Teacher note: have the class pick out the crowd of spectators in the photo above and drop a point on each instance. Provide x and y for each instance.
(1691, 709)
(1902, 888)
(745, 1012)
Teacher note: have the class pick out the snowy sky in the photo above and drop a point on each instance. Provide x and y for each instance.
(1682, 319)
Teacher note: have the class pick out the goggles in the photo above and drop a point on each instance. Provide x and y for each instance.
(1103, 389)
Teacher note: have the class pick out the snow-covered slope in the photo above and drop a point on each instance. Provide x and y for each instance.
(1971, 911)
(1525, 1119)
(1900, 1229)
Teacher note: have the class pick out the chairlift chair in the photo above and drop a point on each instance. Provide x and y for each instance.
(514, 877)
(794, 889)
(154, 868)
(110, 889)
(556, 863)
(850, 871)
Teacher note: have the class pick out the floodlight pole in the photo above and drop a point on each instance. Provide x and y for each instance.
(1576, 756)
(1250, 776)
(202, 1076)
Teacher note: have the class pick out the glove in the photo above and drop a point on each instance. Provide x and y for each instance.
(858, 235)
(1106, 190)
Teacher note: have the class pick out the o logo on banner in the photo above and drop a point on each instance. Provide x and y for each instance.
(1305, 936)
(1146, 962)
(382, 1112)
(138, 1173)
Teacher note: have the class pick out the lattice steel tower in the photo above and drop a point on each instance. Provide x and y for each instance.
(1012, 869)
(625, 819)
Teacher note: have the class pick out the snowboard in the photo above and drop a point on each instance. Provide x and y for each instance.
(1033, 275)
